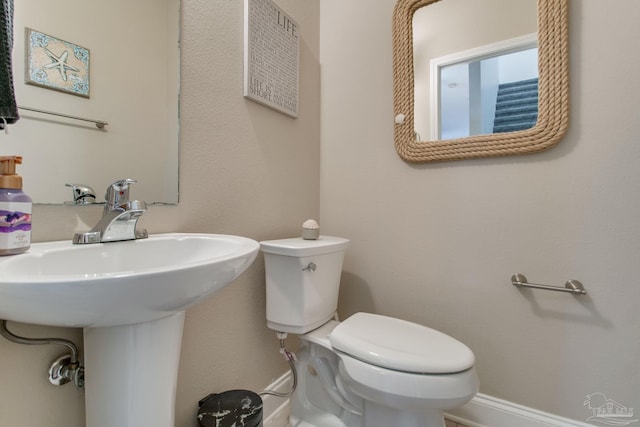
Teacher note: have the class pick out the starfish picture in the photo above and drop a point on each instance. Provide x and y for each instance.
(56, 64)
(59, 62)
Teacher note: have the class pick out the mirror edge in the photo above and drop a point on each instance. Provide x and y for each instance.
(553, 101)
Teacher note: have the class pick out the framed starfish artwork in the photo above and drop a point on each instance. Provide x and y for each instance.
(56, 64)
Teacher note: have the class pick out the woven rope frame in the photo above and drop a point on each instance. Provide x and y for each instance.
(553, 93)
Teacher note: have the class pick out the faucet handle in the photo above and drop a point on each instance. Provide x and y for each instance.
(118, 192)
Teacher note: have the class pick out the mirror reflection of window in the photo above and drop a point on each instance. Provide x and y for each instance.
(446, 28)
(489, 95)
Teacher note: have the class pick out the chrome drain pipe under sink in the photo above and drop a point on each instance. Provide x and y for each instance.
(64, 369)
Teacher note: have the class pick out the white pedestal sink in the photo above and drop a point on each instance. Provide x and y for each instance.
(129, 298)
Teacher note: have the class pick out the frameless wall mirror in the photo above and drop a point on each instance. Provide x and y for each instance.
(133, 50)
(479, 78)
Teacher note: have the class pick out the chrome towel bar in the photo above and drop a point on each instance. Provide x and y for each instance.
(100, 124)
(572, 286)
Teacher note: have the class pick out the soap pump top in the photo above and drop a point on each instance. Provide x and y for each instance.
(8, 176)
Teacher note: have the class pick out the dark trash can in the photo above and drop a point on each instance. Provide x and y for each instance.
(233, 408)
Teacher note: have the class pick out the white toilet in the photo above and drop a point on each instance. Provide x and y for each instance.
(368, 370)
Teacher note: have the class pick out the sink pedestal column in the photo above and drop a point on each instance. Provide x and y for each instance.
(131, 373)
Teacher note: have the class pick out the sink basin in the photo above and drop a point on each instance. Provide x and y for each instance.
(129, 298)
(118, 283)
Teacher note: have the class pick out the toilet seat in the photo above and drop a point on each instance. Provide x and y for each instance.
(408, 390)
(399, 345)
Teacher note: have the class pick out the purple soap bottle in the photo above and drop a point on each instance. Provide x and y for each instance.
(15, 209)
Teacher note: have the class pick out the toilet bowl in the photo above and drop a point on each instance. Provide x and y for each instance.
(368, 370)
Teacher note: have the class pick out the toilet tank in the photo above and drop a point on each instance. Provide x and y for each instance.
(303, 281)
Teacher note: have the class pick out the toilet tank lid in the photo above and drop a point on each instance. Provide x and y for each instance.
(400, 345)
(298, 246)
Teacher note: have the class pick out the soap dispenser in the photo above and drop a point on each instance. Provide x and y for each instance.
(15, 209)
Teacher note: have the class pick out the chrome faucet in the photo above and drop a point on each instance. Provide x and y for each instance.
(119, 218)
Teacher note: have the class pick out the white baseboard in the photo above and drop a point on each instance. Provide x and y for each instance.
(275, 412)
(481, 411)
(489, 411)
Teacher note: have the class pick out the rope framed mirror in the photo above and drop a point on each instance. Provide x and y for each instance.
(553, 93)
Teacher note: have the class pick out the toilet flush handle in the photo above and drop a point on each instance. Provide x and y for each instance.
(310, 267)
